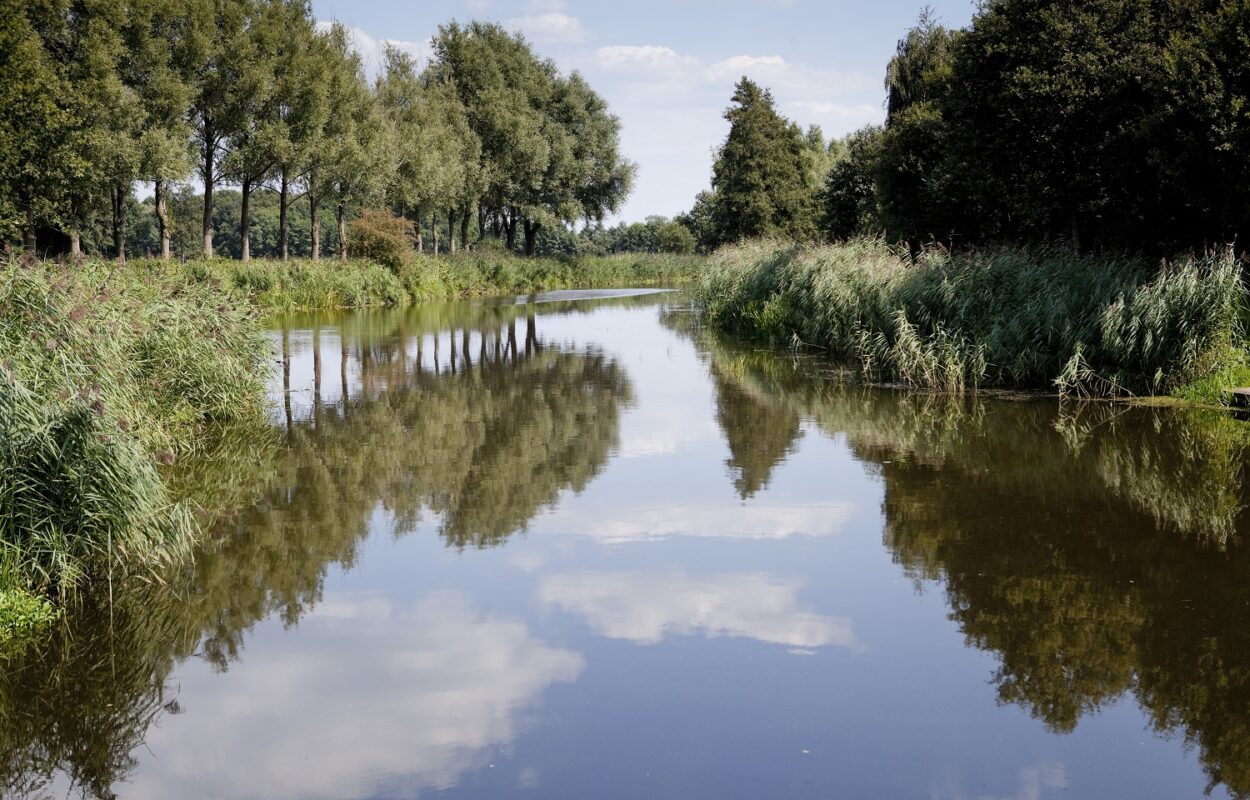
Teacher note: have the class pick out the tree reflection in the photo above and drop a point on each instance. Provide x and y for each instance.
(463, 412)
(760, 433)
(1099, 551)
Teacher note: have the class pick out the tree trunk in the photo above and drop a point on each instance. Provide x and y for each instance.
(313, 200)
(75, 242)
(510, 230)
(451, 232)
(342, 212)
(434, 230)
(464, 229)
(531, 237)
(283, 245)
(481, 223)
(245, 221)
(119, 222)
(162, 218)
(207, 177)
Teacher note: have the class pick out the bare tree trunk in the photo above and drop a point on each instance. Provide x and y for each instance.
(119, 222)
(245, 221)
(162, 218)
(342, 211)
(464, 229)
(283, 244)
(451, 232)
(313, 200)
(481, 223)
(75, 242)
(434, 230)
(207, 177)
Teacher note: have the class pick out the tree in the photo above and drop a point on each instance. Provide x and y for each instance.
(300, 105)
(849, 199)
(761, 176)
(222, 86)
(162, 60)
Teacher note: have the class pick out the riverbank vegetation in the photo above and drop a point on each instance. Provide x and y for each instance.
(108, 378)
(1049, 204)
(1046, 317)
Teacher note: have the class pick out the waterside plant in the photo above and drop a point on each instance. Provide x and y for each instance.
(1046, 317)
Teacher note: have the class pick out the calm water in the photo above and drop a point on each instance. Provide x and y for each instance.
(583, 549)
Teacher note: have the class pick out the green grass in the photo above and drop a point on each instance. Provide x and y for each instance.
(302, 284)
(1042, 318)
(107, 377)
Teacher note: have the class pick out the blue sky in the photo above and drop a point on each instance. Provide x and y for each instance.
(668, 68)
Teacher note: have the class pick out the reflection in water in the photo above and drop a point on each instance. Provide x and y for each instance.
(1098, 551)
(471, 415)
(431, 689)
(644, 608)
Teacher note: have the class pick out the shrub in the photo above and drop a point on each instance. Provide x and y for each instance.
(380, 236)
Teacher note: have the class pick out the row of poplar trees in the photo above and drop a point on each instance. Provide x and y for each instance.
(101, 95)
(1118, 125)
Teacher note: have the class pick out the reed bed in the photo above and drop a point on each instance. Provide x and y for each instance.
(109, 376)
(302, 284)
(1044, 317)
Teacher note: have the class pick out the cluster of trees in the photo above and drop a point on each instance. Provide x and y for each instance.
(656, 234)
(100, 97)
(1109, 124)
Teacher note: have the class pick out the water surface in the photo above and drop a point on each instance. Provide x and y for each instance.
(581, 548)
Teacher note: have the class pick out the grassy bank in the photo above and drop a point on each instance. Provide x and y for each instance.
(329, 283)
(108, 376)
(1024, 318)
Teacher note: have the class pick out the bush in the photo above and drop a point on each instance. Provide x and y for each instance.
(380, 236)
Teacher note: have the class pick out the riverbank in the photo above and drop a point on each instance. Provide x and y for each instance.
(303, 284)
(1042, 318)
(109, 376)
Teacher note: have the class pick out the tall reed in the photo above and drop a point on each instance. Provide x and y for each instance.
(1047, 317)
(108, 376)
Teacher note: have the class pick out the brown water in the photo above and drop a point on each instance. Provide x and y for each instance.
(583, 549)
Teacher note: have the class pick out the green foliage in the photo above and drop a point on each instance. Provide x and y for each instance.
(1049, 317)
(23, 617)
(761, 180)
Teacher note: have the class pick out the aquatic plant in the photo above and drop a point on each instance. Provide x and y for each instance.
(1046, 317)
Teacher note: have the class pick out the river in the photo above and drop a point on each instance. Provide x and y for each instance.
(576, 546)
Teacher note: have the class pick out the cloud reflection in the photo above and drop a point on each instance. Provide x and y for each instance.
(371, 699)
(647, 607)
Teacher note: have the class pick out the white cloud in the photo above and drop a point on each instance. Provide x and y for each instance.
(393, 701)
(645, 608)
(648, 57)
(549, 28)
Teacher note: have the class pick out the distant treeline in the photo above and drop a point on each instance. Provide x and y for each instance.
(1108, 124)
(487, 139)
